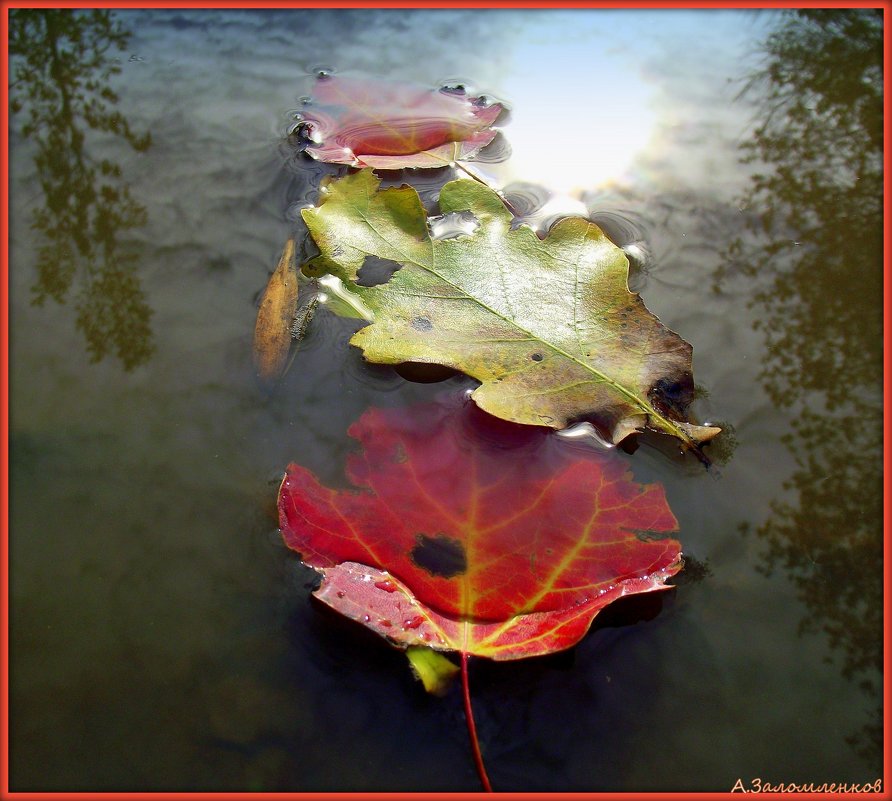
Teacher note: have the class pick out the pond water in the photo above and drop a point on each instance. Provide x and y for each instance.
(161, 635)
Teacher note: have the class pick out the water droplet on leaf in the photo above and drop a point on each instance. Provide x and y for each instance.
(453, 225)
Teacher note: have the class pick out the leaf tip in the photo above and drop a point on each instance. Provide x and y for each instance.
(701, 434)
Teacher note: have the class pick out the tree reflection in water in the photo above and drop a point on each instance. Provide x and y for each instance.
(60, 70)
(815, 257)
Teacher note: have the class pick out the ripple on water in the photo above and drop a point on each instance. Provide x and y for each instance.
(627, 231)
(539, 208)
(496, 151)
(327, 339)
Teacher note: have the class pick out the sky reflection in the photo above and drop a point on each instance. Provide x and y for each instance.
(167, 572)
(587, 90)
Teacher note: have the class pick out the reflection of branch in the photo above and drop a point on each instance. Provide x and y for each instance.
(815, 248)
(61, 78)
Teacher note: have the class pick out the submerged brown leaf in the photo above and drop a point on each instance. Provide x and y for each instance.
(272, 332)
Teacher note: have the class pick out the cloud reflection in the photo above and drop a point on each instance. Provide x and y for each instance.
(596, 138)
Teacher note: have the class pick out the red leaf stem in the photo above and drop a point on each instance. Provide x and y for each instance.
(472, 728)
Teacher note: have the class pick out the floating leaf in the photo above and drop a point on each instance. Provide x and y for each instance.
(548, 327)
(272, 331)
(394, 125)
(486, 546)
(431, 668)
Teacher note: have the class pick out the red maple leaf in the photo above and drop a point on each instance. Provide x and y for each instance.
(501, 546)
(383, 125)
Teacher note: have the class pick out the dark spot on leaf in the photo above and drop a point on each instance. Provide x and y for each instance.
(439, 555)
(672, 394)
(399, 454)
(536, 357)
(375, 271)
(421, 324)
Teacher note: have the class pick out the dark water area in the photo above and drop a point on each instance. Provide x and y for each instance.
(162, 637)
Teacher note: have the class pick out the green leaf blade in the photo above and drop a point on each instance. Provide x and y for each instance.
(549, 327)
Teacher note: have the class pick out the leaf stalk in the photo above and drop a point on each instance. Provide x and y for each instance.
(472, 728)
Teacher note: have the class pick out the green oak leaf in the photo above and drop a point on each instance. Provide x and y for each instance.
(548, 326)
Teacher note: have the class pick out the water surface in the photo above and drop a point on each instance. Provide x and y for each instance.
(162, 636)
